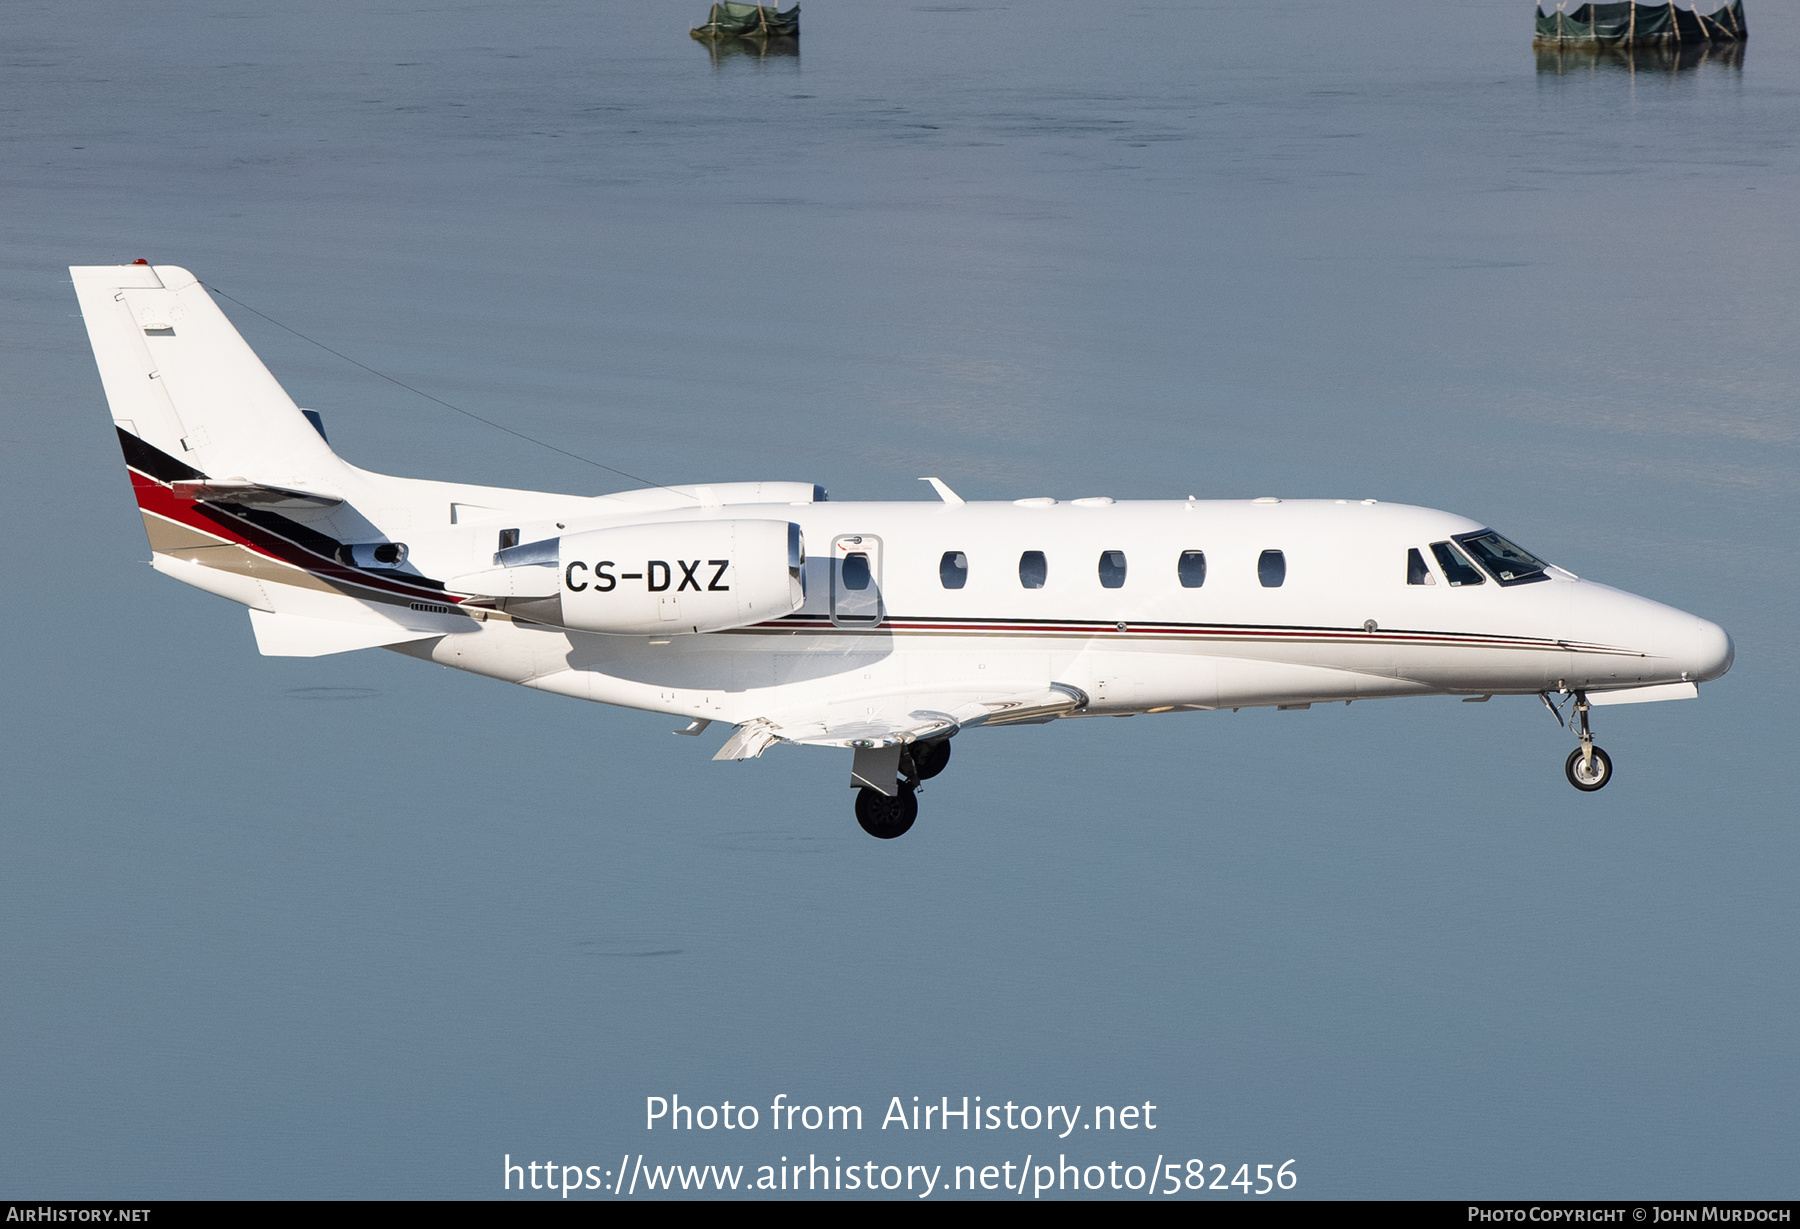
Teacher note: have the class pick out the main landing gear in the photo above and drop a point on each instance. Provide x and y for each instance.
(929, 759)
(886, 817)
(1588, 767)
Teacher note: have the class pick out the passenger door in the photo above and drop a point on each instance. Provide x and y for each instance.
(856, 581)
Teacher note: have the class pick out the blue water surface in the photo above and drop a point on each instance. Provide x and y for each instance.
(358, 926)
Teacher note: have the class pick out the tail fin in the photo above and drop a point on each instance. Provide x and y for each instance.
(223, 462)
(179, 378)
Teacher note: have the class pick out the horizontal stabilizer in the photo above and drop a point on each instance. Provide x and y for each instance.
(1644, 695)
(285, 635)
(254, 494)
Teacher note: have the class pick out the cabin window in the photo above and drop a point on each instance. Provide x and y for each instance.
(1112, 569)
(1416, 571)
(1509, 564)
(1457, 568)
(508, 538)
(856, 571)
(1191, 567)
(1034, 569)
(1271, 569)
(953, 569)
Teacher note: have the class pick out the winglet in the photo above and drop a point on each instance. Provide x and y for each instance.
(944, 492)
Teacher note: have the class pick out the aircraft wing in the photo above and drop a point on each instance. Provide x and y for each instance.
(901, 719)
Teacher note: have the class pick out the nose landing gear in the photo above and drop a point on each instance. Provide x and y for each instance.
(1588, 767)
(1590, 773)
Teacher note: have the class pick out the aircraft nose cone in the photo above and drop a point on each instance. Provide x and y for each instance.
(1713, 651)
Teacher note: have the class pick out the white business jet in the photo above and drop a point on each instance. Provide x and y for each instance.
(884, 628)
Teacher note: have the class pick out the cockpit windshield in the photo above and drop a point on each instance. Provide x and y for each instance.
(1508, 564)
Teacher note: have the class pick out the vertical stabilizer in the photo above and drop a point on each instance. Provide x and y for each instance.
(180, 378)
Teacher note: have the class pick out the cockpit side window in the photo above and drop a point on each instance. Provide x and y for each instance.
(1416, 571)
(1508, 564)
(1457, 568)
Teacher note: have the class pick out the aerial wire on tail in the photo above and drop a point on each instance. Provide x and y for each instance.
(530, 439)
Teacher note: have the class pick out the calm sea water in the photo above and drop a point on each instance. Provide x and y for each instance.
(359, 926)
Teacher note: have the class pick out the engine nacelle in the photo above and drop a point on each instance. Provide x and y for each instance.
(680, 578)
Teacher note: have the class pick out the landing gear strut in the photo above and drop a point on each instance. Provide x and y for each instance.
(1588, 767)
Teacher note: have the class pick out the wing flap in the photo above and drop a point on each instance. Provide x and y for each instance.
(749, 740)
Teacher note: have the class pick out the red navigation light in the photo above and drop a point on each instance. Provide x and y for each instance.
(140, 261)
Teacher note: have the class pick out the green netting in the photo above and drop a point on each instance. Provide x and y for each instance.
(732, 20)
(1641, 23)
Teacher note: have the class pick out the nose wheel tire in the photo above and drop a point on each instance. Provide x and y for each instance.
(1590, 776)
(883, 817)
